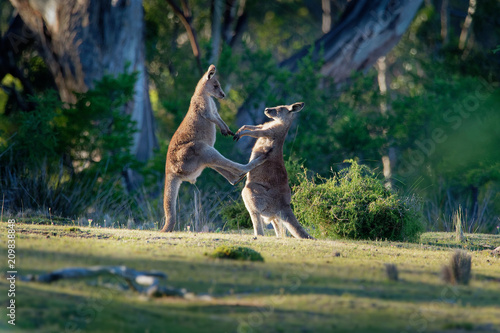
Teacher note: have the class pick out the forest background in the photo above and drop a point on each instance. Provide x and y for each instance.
(85, 121)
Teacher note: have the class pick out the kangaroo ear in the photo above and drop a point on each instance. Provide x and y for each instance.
(210, 72)
(296, 107)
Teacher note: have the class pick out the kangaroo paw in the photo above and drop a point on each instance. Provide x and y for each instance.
(226, 132)
(267, 153)
(239, 179)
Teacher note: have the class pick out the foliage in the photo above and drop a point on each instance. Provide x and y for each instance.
(236, 253)
(354, 204)
(48, 190)
(68, 157)
(427, 79)
(437, 120)
(235, 215)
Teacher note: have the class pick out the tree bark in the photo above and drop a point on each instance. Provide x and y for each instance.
(367, 30)
(81, 40)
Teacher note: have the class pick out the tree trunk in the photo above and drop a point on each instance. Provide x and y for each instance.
(388, 159)
(326, 19)
(367, 30)
(80, 40)
(235, 20)
(444, 21)
(464, 35)
(216, 30)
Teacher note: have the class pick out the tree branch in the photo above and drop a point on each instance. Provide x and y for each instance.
(232, 14)
(185, 17)
(134, 279)
(366, 31)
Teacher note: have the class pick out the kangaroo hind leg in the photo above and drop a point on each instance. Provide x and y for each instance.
(233, 171)
(230, 177)
(278, 227)
(289, 220)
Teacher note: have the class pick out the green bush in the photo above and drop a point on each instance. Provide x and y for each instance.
(235, 215)
(236, 253)
(355, 204)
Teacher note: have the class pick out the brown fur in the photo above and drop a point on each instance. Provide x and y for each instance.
(192, 146)
(267, 194)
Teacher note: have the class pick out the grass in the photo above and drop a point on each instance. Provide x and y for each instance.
(302, 286)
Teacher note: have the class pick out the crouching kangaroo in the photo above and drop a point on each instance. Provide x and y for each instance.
(192, 146)
(267, 194)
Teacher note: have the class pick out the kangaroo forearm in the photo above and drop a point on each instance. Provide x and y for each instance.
(258, 133)
(250, 127)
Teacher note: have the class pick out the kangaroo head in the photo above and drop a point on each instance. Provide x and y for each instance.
(284, 113)
(211, 85)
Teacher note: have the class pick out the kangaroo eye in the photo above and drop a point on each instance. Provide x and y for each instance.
(216, 86)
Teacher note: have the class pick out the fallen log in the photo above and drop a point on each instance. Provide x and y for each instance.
(135, 279)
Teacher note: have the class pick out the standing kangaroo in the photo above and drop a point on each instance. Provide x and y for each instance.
(267, 194)
(192, 147)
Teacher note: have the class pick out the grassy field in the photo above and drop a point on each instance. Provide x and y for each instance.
(302, 286)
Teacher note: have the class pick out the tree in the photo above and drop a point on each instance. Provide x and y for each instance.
(82, 40)
(366, 31)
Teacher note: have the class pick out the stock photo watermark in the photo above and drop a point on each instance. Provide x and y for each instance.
(12, 272)
(256, 319)
(455, 118)
(88, 310)
(419, 321)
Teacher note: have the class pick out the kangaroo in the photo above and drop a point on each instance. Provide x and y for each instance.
(192, 146)
(266, 193)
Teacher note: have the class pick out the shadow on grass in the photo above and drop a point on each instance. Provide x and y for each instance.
(222, 278)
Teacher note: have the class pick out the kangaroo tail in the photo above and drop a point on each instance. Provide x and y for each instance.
(172, 185)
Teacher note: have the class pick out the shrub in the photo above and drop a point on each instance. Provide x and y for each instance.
(69, 157)
(236, 253)
(355, 204)
(235, 215)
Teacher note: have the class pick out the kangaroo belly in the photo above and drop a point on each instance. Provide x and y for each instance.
(267, 201)
(191, 177)
(185, 160)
